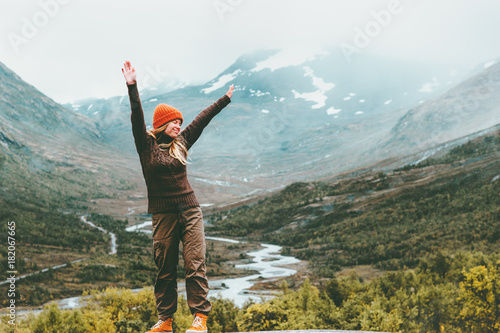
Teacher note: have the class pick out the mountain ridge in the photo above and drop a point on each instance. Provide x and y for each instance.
(319, 106)
(272, 134)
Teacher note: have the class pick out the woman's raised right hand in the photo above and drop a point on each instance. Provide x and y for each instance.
(129, 73)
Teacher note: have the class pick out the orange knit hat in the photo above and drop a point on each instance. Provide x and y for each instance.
(165, 113)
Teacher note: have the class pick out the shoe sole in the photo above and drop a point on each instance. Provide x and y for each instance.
(193, 331)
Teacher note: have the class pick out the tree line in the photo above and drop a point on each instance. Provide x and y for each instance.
(459, 293)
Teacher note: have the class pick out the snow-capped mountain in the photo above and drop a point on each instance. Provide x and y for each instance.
(324, 88)
(294, 114)
(296, 87)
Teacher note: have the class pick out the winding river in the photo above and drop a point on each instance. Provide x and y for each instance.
(91, 224)
(113, 236)
(266, 261)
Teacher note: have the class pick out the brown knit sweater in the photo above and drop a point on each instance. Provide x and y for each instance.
(166, 178)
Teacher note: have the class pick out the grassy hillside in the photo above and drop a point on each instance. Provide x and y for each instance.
(440, 218)
(42, 205)
(46, 206)
(387, 220)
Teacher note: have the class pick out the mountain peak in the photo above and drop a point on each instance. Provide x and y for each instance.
(24, 109)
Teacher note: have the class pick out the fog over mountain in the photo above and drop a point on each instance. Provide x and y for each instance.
(72, 50)
(291, 118)
(303, 118)
(471, 106)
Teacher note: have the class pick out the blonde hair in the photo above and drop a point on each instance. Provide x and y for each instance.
(177, 148)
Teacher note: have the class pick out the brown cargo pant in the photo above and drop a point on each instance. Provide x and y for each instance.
(168, 229)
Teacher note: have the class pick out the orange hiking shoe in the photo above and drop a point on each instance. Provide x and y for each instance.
(199, 324)
(162, 326)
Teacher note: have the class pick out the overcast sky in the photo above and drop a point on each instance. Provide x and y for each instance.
(73, 49)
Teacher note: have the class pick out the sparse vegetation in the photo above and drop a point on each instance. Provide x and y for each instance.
(390, 221)
(435, 225)
(443, 294)
(46, 208)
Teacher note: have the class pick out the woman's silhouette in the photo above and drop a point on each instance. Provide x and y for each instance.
(176, 212)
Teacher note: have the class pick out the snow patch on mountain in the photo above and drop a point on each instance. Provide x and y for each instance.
(288, 57)
(258, 93)
(332, 111)
(427, 87)
(489, 64)
(222, 81)
(317, 96)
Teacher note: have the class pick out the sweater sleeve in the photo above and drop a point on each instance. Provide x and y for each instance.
(193, 131)
(137, 118)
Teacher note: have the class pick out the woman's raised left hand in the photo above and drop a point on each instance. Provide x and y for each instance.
(230, 91)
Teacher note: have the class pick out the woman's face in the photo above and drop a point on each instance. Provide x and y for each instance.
(173, 128)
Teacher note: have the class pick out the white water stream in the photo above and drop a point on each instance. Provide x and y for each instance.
(265, 261)
(113, 236)
(84, 220)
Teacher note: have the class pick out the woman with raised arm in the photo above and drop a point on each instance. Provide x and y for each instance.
(176, 212)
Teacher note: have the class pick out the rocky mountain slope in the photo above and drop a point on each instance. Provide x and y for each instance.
(39, 131)
(52, 153)
(293, 116)
(471, 106)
